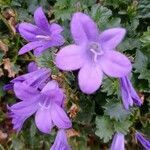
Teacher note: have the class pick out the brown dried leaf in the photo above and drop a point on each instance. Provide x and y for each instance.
(1, 72)
(72, 133)
(8, 13)
(3, 47)
(9, 67)
(12, 23)
(73, 111)
(3, 136)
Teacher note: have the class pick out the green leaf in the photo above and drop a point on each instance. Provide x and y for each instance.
(101, 15)
(110, 86)
(47, 60)
(104, 128)
(144, 9)
(122, 126)
(129, 44)
(115, 110)
(145, 39)
(142, 66)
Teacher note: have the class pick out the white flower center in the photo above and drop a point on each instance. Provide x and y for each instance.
(96, 49)
(46, 104)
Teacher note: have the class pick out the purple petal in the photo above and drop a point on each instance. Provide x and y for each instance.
(8, 87)
(25, 108)
(111, 38)
(59, 117)
(134, 94)
(54, 92)
(83, 28)
(41, 20)
(60, 141)
(25, 92)
(32, 66)
(115, 64)
(21, 111)
(43, 120)
(55, 28)
(35, 78)
(145, 143)
(57, 40)
(30, 46)
(29, 31)
(125, 93)
(118, 142)
(90, 78)
(70, 57)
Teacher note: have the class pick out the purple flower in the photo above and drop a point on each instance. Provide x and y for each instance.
(40, 36)
(93, 53)
(47, 104)
(145, 143)
(60, 141)
(129, 95)
(118, 142)
(37, 77)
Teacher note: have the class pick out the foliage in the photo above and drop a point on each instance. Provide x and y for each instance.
(95, 117)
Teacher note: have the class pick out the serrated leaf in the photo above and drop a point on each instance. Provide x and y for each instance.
(104, 128)
(111, 87)
(115, 110)
(141, 66)
(101, 15)
(144, 9)
(47, 60)
(145, 39)
(122, 126)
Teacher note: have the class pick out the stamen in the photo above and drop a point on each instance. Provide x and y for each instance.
(46, 102)
(96, 49)
(43, 37)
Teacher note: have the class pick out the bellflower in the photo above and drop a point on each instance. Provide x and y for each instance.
(40, 36)
(36, 77)
(60, 141)
(129, 95)
(118, 142)
(145, 143)
(47, 104)
(93, 53)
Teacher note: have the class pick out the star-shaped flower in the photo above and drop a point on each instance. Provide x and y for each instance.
(93, 53)
(40, 36)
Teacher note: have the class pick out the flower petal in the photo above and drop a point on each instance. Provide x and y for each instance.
(57, 40)
(21, 111)
(118, 142)
(55, 28)
(41, 20)
(59, 117)
(125, 93)
(111, 38)
(52, 90)
(83, 28)
(43, 120)
(115, 64)
(70, 57)
(28, 31)
(35, 78)
(61, 142)
(25, 108)
(133, 93)
(25, 92)
(32, 45)
(32, 66)
(145, 142)
(90, 78)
